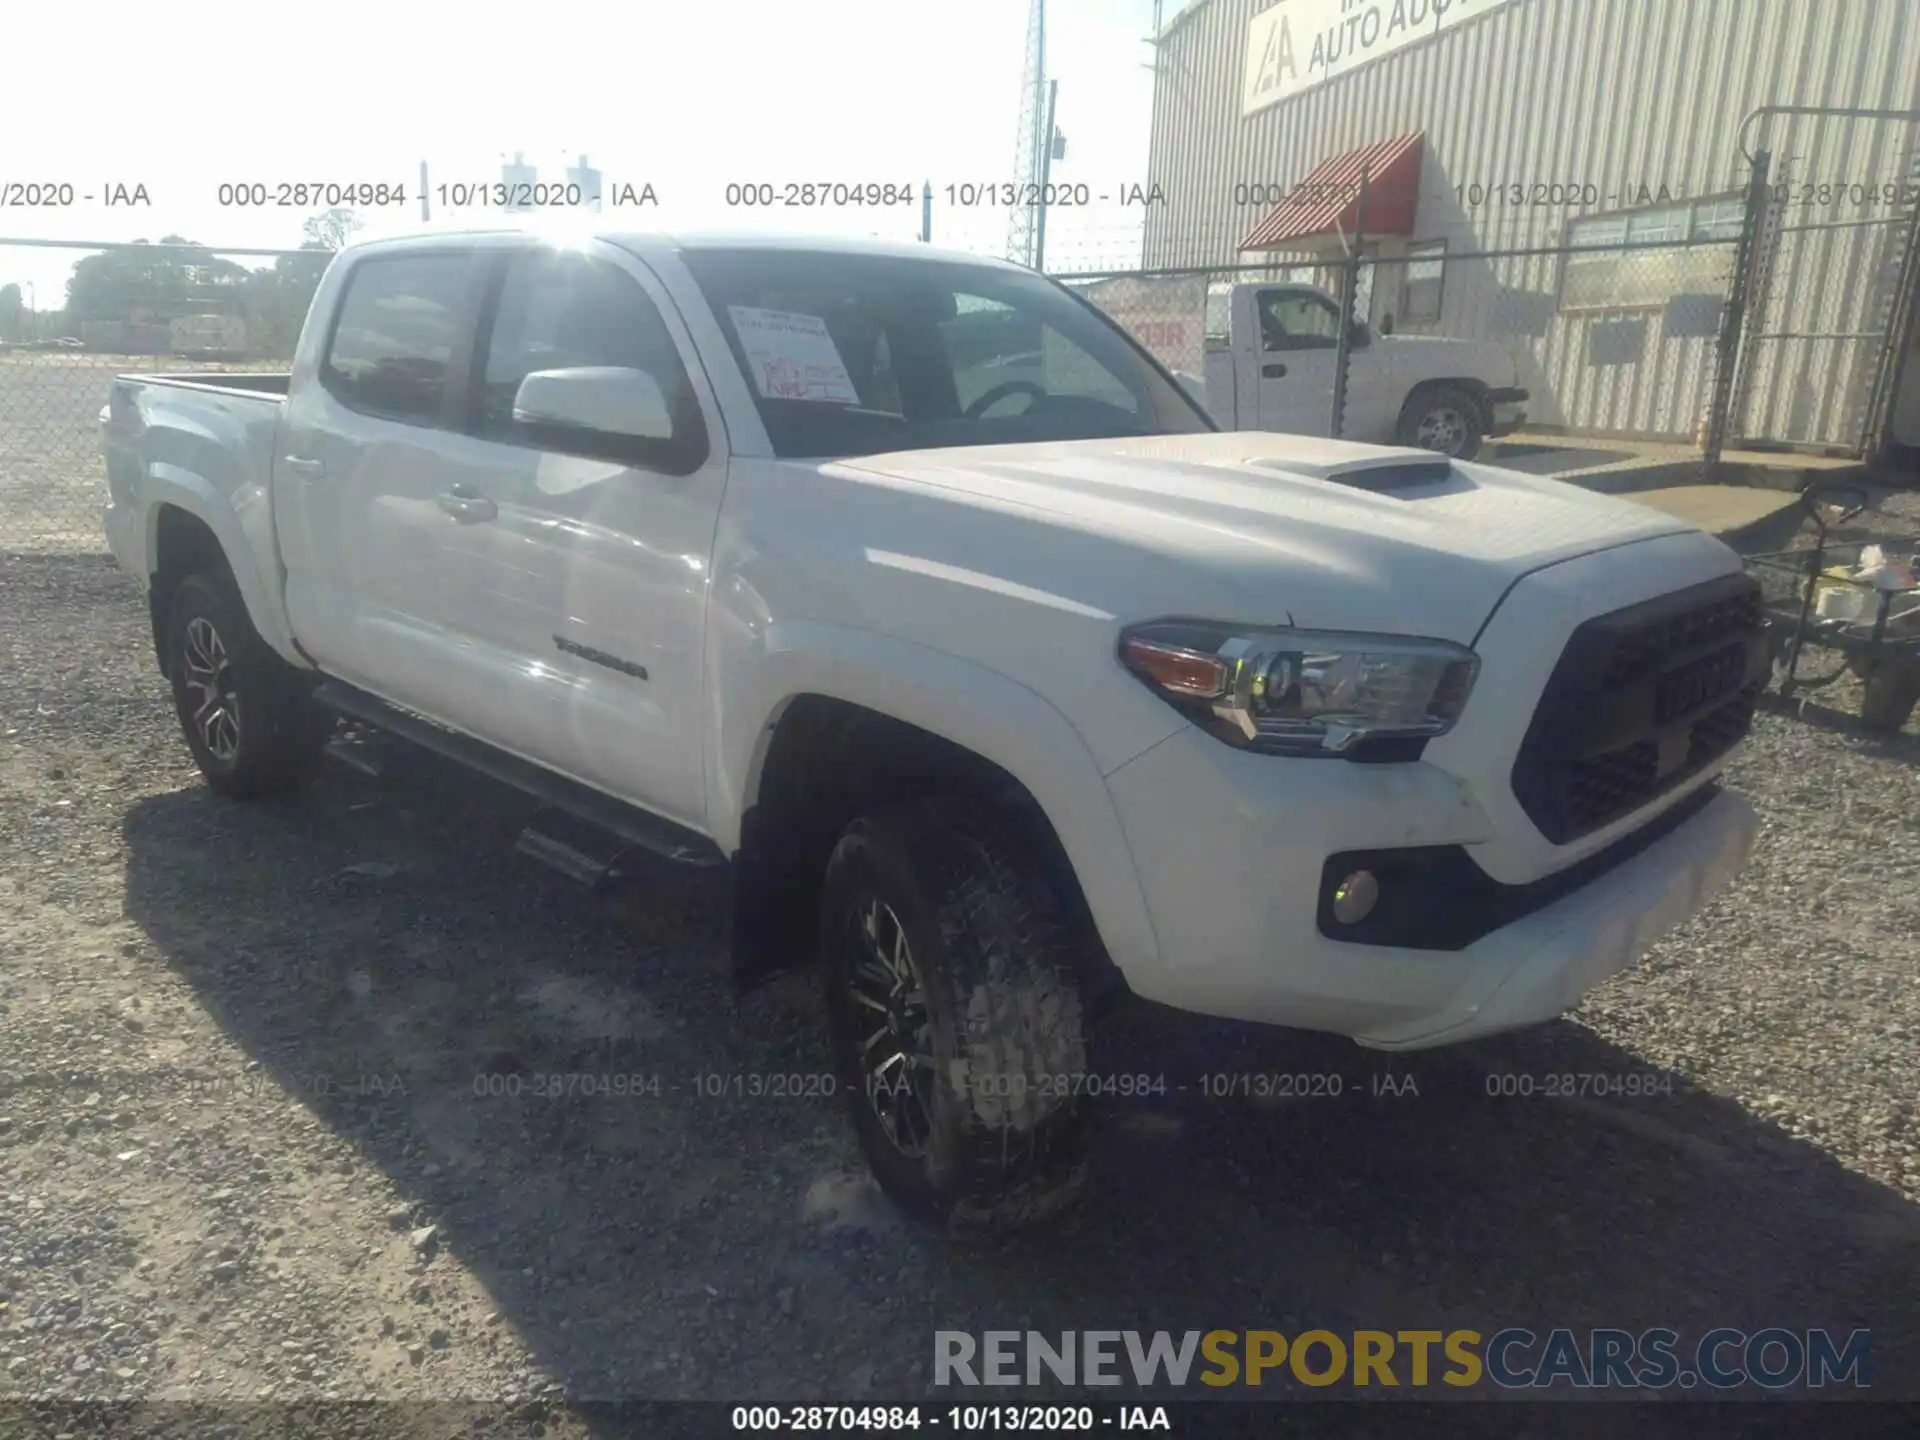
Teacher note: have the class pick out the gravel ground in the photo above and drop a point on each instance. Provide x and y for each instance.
(247, 1153)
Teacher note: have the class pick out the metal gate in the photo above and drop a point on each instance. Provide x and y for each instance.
(1829, 288)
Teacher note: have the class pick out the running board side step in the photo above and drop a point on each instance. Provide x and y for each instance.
(636, 827)
(578, 849)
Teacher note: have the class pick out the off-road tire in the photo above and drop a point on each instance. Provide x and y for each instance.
(1435, 398)
(998, 962)
(280, 729)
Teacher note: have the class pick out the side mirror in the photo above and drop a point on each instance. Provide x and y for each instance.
(1195, 387)
(1361, 335)
(610, 399)
(1386, 323)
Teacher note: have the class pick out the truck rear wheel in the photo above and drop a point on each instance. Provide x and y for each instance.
(249, 718)
(1448, 419)
(955, 1015)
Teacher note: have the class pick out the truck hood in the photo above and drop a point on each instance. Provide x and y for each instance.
(1255, 527)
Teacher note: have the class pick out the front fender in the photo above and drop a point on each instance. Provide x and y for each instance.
(995, 717)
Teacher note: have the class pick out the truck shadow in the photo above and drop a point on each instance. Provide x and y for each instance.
(659, 1223)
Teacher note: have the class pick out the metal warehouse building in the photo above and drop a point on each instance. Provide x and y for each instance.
(1568, 176)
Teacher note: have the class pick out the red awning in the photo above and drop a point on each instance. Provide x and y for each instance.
(1328, 200)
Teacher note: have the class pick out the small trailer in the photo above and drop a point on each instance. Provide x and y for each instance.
(1832, 597)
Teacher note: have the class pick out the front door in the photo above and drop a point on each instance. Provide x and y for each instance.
(1299, 334)
(1298, 337)
(584, 565)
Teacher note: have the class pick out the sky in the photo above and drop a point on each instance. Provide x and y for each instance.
(686, 97)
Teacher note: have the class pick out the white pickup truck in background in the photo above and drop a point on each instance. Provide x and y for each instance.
(1261, 356)
(912, 591)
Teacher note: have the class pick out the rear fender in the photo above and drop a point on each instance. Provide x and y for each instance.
(241, 520)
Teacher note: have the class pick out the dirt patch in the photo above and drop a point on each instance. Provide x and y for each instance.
(338, 1097)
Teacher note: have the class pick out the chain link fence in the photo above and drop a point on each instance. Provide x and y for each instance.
(1741, 320)
(74, 316)
(1832, 275)
(1619, 341)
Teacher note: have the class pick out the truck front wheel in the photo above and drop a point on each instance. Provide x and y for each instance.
(1448, 419)
(955, 1015)
(249, 718)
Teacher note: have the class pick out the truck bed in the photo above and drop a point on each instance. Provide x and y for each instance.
(252, 383)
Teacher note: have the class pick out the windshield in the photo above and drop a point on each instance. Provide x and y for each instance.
(859, 354)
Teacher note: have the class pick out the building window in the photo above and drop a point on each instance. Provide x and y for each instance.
(1645, 279)
(1425, 283)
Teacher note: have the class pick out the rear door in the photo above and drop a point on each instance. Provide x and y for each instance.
(363, 454)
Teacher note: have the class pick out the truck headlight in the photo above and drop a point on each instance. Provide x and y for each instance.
(1302, 692)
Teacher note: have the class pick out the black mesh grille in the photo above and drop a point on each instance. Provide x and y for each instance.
(1642, 700)
(1652, 643)
(1718, 731)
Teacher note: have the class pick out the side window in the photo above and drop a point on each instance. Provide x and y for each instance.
(559, 310)
(1292, 320)
(392, 347)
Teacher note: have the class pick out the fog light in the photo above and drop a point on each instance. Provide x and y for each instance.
(1355, 897)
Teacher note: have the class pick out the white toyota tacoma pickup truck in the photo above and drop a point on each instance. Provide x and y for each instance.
(997, 698)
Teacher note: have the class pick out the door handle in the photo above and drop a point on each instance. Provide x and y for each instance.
(463, 502)
(1273, 371)
(306, 469)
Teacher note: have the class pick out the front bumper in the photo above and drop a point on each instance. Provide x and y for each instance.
(1230, 848)
(1506, 412)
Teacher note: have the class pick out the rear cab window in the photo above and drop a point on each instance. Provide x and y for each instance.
(398, 334)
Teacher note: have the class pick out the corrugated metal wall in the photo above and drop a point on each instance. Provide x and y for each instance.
(1619, 93)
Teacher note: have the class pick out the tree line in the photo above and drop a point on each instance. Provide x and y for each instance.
(152, 283)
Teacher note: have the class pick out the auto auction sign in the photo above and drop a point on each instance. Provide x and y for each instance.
(1299, 44)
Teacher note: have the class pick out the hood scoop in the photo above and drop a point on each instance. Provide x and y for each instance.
(1389, 474)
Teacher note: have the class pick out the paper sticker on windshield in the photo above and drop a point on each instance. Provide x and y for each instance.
(792, 357)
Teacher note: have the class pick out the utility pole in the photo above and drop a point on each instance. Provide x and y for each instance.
(1349, 291)
(1046, 171)
(1030, 139)
(1153, 109)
